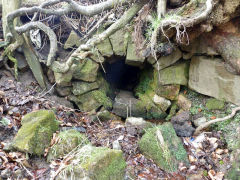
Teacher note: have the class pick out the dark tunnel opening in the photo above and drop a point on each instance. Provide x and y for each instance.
(120, 75)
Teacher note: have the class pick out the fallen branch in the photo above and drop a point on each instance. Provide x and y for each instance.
(207, 124)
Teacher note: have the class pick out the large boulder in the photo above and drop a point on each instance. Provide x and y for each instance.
(36, 132)
(163, 146)
(95, 163)
(208, 76)
(67, 141)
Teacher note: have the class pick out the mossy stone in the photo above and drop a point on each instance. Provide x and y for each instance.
(133, 58)
(214, 104)
(86, 70)
(119, 41)
(68, 140)
(93, 100)
(177, 74)
(105, 47)
(106, 115)
(36, 132)
(63, 79)
(81, 87)
(95, 163)
(168, 154)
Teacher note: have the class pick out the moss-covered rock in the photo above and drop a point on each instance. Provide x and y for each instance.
(95, 163)
(106, 115)
(63, 79)
(105, 47)
(93, 100)
(119, 41)
(80, 87)
(132, 57)
(86, 70)
(153, 111)
(177, 74)
(213, 104)
(166, 61)
(73, 40)
(168, 91)
(163, 146)
(36, 132)
(68, 140)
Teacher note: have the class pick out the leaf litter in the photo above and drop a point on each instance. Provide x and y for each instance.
(209, 158)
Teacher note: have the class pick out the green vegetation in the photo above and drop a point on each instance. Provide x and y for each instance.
(68, 140)
(168, 155)
(36, 132)
(95, 163)
(214, 104)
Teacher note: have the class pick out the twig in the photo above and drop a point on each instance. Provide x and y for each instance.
(47, 91)
(207, 124)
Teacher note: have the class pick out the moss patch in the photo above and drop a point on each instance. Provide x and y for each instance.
(166, 156)
(92, 100)
(213, 104)
(36, 132)
(68, 140)
(96, 163)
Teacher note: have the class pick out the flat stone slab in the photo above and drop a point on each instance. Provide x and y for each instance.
(208, 76)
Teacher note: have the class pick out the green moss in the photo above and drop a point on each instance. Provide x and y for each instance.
(86, 70)
(102, 98)
(167, 156)
(145, 82)
(152, 111)
(36, 132)
(97, 163)
(173, 111)
(213, 104)
(177, 74)
(68, 140)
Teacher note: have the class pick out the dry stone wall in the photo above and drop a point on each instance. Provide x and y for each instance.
(193, 66)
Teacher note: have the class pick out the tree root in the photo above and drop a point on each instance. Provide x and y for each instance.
(126, 18)
(180, 22)
(207, 124)
(50, 33)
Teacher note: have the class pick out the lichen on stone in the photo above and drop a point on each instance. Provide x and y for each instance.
(167, 155)
(36, 132)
